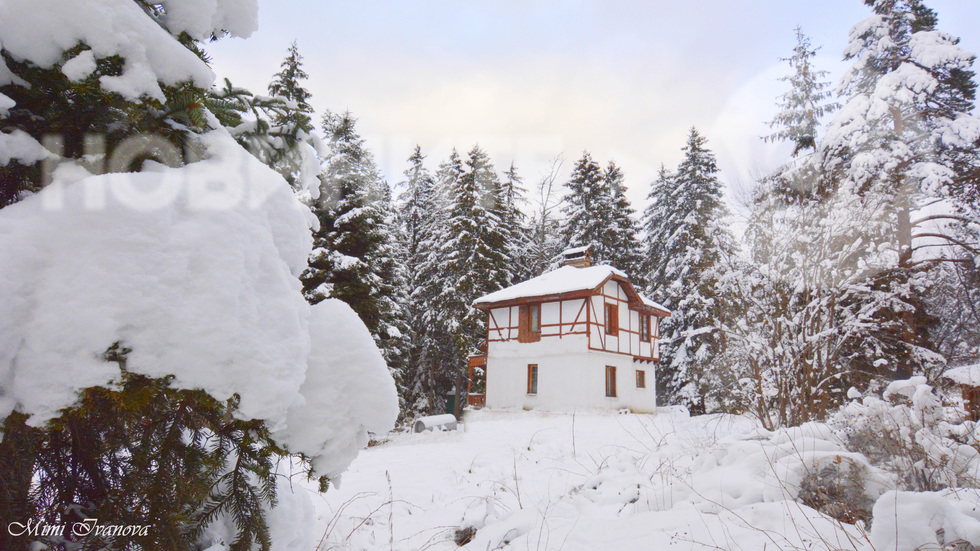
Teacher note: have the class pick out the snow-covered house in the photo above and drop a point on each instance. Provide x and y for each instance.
(580, 336)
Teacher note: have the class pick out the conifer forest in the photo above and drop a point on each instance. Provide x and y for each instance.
(212, 296)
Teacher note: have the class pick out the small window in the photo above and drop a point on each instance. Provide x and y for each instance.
(612, 319)
(645, 327)
(532, 379)
(535, 318)
(610, 381)
(641, 378)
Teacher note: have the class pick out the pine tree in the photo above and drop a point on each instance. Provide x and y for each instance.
(805, 103)
(287, 84)
(471, 261)
(695, 241)
(290, 130)
(657, 231)
(589, 209)
(514, 224)
(418, 219)
(624, 244)
(140, 452)
(355, 258)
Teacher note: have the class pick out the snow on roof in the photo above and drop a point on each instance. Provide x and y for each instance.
(563, 280)
(576, 250)
(653, 304)
(964, 375)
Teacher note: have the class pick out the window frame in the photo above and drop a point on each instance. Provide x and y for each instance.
(641, 378)
(646, 331)
(610, 381)
(612, 319)
(532, 379)
(534, 314)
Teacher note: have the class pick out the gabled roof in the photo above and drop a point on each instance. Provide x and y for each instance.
(566, 281)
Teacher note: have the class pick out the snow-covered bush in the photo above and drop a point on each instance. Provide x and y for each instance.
(157, 358)
(907, 431)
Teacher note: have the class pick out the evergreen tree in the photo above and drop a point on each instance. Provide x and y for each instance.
(355, 255)
(903, 140)
(624, 244)
(589, 209)
(418, 221)
(514, 224)
(290, 130)
(434, 346)
(287, 84)
(695, 241)
(657, 231)
(599, 214)
(805, 103)
(470, 261)
(140, 452)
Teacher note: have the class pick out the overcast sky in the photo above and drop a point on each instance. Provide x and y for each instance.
(530, 79)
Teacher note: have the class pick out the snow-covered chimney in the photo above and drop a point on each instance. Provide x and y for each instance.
(579, 257)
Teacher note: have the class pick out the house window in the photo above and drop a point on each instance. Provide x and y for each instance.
(529, 323)
(532, 379)
(645, 327)
(611, 381)
(641, 378)
(612, 319)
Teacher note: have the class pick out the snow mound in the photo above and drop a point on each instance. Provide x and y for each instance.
(964, 375)
(332, 426)
(201, 289)
(907, 521)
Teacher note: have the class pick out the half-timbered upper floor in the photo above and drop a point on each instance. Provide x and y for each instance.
(598, 302)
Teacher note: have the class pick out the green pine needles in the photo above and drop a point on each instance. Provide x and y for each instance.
(140, 453)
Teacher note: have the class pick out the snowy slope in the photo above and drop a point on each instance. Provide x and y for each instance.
(583, 482)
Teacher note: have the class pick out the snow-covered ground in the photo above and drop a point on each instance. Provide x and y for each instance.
(528, 480)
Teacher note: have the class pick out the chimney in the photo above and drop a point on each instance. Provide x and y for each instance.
(579, 257)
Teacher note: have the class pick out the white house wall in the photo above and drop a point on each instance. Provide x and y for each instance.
(569, 377)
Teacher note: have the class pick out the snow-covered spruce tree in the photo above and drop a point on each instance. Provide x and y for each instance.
(288, 85)
(141, 374)
(356, 256)
(289, 149)
(417, 216)
(88, 102)
(589, 209)
(433, 347)
(906, 138)
(471, 262)
(655, 230)
(277, 130)
(625, 251)
(291, 126)
(514, 222)
(808, 99)
(695, 241)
